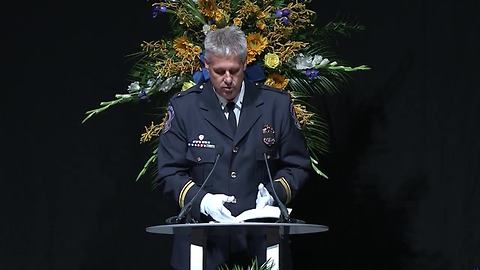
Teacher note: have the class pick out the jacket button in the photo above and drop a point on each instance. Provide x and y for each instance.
(233, 174)
(235, 149)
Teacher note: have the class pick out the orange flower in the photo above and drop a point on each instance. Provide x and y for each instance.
(256, 43)
(303, 115)
(185, 49)
(263, 15)
(276, 80)
(237, 22)
(180, 44)
(261, 25)
(250, 57)
(207, 7)
(219, 15)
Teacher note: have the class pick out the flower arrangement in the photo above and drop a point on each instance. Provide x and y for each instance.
(285, 50)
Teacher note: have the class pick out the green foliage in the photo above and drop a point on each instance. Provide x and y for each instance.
(341, 28)
(268, 265)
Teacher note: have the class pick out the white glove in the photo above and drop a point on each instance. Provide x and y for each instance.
(263, 197)
(212, 205)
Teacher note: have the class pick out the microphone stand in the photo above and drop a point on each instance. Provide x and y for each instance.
(284, 215)
(185, 211)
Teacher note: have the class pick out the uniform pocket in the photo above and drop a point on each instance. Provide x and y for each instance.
(202, 160)
(201, 155)
(272, 154)
(261, 171)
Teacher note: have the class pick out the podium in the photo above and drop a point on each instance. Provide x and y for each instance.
(276, 236)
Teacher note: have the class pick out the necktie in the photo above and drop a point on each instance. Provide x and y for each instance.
(232, 120)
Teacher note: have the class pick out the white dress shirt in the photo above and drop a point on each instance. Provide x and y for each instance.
(238, 103)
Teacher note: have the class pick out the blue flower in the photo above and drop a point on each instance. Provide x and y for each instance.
(143, 95)
(284, 20)
(278, 13)
(157, 9)
(285, 12)
(311, 73)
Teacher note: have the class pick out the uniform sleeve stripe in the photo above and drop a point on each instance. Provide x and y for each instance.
(183, 193)
(286, 186)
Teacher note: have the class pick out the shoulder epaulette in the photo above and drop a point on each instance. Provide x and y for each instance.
(194, 89)
(269, 88)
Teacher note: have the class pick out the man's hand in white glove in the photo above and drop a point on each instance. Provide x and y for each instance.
(212, 205)
(263, 197)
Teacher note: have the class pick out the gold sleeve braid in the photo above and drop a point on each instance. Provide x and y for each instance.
(286, 186)
(184, 191)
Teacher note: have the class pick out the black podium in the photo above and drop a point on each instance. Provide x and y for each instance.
(276, 234)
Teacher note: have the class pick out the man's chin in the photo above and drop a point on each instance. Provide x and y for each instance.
(229, 93)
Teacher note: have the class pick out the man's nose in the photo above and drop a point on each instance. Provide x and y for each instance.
(228, 78)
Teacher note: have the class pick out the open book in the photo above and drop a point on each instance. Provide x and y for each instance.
(268, 213)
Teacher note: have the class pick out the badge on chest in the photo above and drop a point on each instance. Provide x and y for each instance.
(268, 135)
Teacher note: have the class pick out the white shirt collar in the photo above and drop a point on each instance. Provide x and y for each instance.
(238, 100)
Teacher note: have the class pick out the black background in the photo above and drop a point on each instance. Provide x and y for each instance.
(404, 166)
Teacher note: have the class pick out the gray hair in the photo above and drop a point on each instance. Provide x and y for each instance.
(228, 41)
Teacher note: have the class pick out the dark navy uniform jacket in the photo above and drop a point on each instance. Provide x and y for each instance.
(197, 128)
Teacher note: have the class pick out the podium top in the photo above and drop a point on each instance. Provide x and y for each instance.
(282, 228)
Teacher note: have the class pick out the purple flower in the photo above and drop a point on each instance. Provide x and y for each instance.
(311, 73)
(284, 20)
(285, 12)
(278, 13)
(142, 94)
(157, 9)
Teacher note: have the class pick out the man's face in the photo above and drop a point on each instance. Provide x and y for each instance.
(226, 74)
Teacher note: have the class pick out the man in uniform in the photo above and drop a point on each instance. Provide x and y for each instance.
(230, 117)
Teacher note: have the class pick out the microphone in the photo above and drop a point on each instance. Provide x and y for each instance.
(186, 208)
(284, 215)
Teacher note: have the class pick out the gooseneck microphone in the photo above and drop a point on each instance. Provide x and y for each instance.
(284, 215)
(185, 211)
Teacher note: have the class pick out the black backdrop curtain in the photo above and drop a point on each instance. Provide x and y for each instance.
(403, 193)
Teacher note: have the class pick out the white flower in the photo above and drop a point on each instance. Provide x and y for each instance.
(150, 82)
(133, 87)
(206, 28)
(308, 62)
(317, 59)
(324, 63)
(167, 84)
(320, 62)
(304, 62)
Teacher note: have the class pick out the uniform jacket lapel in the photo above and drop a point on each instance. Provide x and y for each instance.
(212, 111)
(251, 110)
